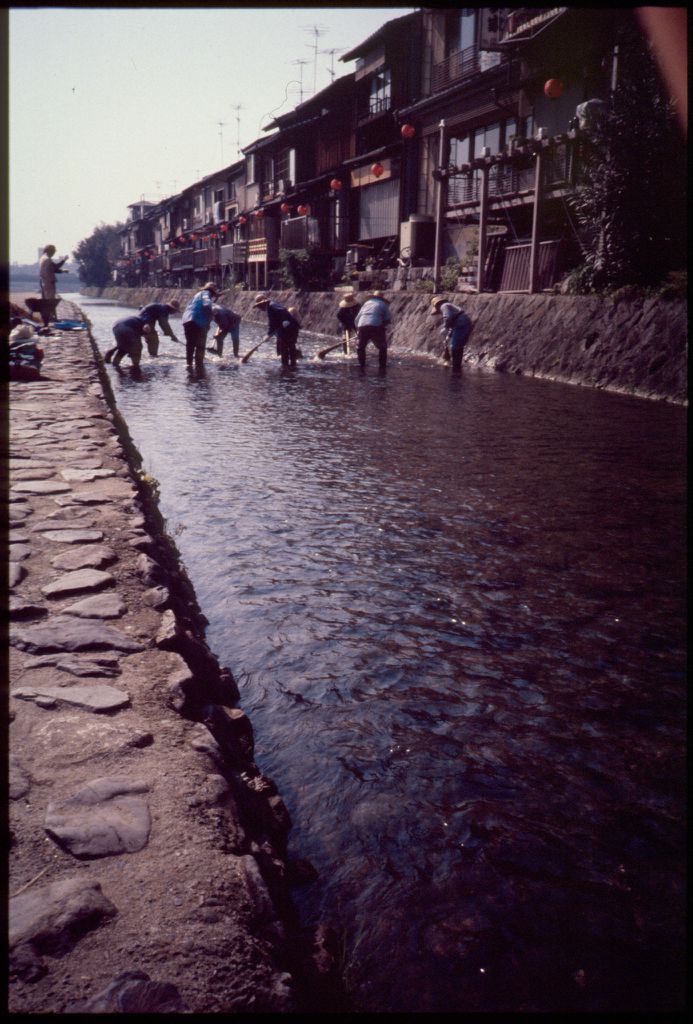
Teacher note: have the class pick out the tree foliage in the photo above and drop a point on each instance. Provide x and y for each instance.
(630, 201)
(97, 254)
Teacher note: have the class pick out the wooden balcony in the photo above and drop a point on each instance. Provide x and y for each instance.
(203, 258)
(300, 233)
(181, 259)
(459, 65)
(234, 252)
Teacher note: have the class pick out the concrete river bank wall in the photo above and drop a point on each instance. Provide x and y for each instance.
(636, 346)
(148, 866)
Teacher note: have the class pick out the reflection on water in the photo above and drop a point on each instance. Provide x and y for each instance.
(455, 608)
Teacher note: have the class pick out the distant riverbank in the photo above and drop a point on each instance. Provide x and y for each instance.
(633, 346)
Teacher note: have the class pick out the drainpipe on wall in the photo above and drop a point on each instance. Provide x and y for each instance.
(534, 248)
(441, 196)
(483, 225)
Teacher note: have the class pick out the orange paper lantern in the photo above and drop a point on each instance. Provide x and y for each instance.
(408, 131)
(377, 170)
(553, 88)
(336, 184)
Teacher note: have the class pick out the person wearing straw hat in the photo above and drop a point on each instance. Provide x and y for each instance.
(371, 322)
(346, 315)
(282, 324)
(456, 328)
(196, 320)
(158, 313)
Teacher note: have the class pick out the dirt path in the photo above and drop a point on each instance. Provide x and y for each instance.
(143, 837)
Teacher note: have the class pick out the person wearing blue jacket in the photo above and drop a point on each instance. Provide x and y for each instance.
(196, 320)
(456, 328)
(228, 322)
(157, 313)
(371, 322)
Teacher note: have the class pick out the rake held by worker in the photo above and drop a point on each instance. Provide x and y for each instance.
(248, 354)
(340, 344)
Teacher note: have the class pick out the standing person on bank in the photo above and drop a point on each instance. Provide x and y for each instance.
(346, 316)
(196, 320)
(281, 323)
(371, 322)
(228, 322)
(456, 328)
(157, 313)
(48, 271)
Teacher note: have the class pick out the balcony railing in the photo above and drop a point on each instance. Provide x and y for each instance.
(300, 233)
(459, 65)
(517, 176)
(182, 259)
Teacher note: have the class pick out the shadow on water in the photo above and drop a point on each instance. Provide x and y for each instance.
(455, 606)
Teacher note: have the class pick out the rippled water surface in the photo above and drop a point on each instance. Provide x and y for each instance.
(455, 609)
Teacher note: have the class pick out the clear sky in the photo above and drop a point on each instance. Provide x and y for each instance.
(109, 104)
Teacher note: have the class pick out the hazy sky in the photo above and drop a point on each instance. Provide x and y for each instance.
(109, 104)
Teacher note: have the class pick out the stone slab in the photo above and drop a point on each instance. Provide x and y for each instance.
(94, 665)
(73, 536)
(40, 487)
(107, 816)
(77, 582)
(95, 697)
(100, 606)
(90, 556)
(68, 633)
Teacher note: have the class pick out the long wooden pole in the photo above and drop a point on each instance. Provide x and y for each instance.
(441, 195)
(534, 248)
(483, 229)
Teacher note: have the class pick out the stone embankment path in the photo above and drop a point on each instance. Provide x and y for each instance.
(147, 851)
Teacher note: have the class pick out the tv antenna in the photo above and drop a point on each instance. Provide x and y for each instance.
(157, 185)
(238, 108)
(331, 55)
(222, 125)
(317, 30)
(300, 74)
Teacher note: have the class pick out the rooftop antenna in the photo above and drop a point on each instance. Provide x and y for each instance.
(317, 30)
(222, 125)
(157, 185)
(238, 108)
(331, 55)
(300, 84)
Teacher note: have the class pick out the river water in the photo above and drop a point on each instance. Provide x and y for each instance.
(455, 608)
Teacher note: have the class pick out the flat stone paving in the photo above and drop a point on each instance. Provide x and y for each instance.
(133, 885)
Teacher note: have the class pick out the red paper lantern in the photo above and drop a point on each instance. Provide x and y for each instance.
(553, 88)
(259, 213)
(242, 219)
(224, 228)
(377, 170)
(193, 237)
(408, 131)
(302, 209)
(336, 184)
(285, 208)
(182, 238)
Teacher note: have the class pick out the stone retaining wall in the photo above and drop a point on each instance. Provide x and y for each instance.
(637, 346)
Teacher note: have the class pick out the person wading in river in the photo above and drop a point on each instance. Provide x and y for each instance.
(281, 323)
(347, 312)
(228, 322)
(128, 335)
(196, 320)
(371, 322)
(157, 313)
(456, 328)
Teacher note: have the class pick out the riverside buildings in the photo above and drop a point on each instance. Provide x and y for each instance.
(454, 138)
